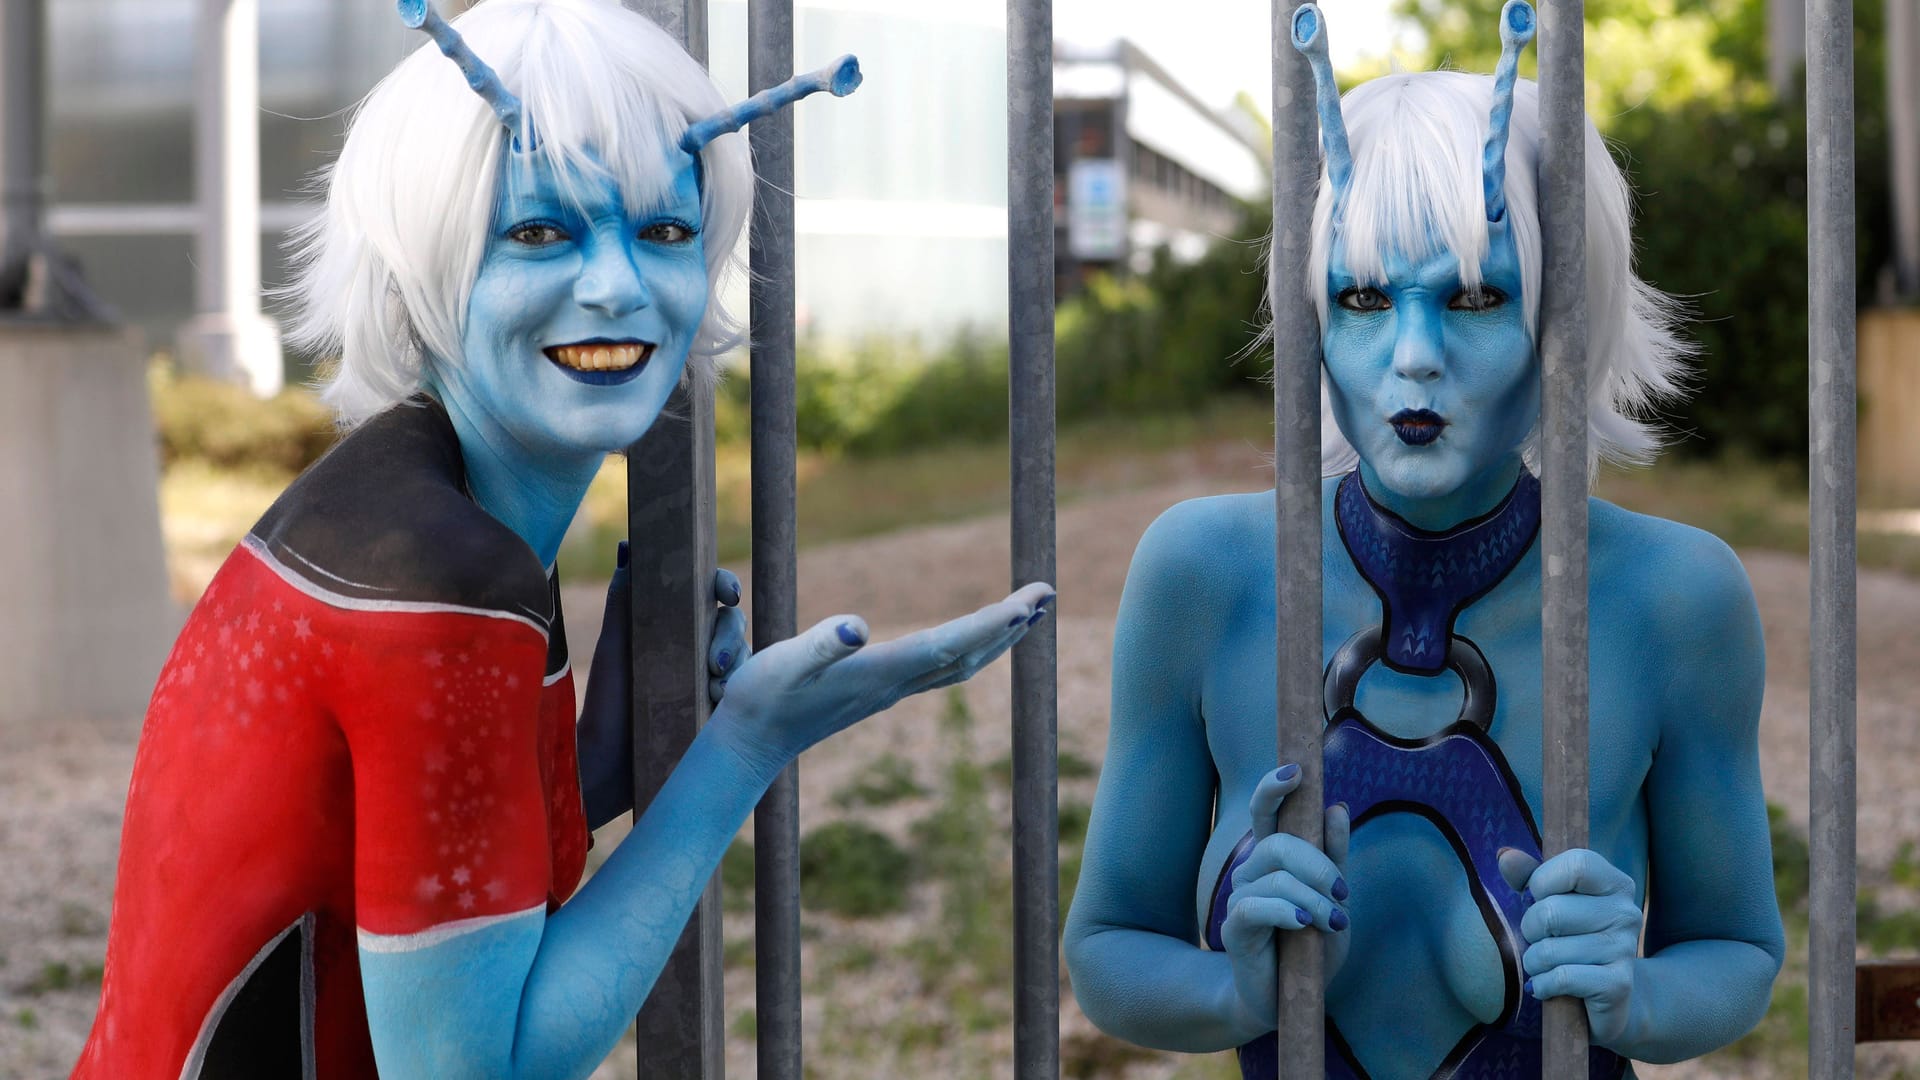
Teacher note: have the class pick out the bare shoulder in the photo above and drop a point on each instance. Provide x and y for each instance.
(1682, 582)
(1190, 566)
(1202, 537)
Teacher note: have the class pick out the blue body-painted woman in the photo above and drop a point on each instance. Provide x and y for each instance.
(358, 816)
(1444, 931)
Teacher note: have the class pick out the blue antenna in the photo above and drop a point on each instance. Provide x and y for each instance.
(842, 77)
(1517, 26)
(1310, 39)
(420, 15)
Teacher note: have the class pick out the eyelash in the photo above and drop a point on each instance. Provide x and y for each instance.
(1487, 296)
(561, 235)
(687, 227)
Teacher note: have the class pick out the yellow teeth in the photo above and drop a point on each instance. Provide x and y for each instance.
(599, 357)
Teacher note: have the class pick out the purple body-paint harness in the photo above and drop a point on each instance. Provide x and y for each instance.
(1456, 779)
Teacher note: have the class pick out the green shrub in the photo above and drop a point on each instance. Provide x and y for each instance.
(853, 869)
(224, 425)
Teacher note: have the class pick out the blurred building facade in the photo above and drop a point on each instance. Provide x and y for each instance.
(901, 210)
(1141, 164)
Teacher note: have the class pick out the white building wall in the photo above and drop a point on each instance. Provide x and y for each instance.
(901, 188)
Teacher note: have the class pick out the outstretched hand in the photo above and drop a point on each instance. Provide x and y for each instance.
(1583, 933)
(797, 692)
(1285, 884)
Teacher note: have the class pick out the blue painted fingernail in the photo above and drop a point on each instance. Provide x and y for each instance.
(726, 658)
(1016, 621)
(1045, 600)
(1338, 920)
(733, 594)
(1340, 890)
(1527, 988)
(1305, 916)
(1037, 616)
(620, 556)
(850, 636)
(1285, 772)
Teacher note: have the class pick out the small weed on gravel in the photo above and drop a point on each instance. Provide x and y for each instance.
(853, 869)
(736, 877)
(57, 975)
(886, 780)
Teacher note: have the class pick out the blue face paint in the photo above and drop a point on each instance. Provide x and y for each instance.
(577, 330)
(1434, 384)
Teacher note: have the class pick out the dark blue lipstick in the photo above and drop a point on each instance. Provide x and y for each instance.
(1417, 427)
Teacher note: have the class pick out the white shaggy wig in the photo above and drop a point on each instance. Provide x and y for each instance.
(1417, 140)
(384, 273)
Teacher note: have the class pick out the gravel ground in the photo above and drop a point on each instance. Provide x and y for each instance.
(61, 788)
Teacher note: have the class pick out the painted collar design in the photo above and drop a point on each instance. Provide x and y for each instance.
(1424, 579)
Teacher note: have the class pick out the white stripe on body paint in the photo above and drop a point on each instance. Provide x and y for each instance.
(259, 550)
(445, 932)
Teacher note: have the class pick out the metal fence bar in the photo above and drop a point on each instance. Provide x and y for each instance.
(776, 822)
(1297, 509)
(1563, 494)
(670, 522)
(1831, 671)
(1030, 277)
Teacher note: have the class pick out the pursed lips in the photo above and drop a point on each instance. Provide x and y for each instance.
(1417, 427)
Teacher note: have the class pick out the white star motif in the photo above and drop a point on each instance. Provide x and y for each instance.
(430, 888)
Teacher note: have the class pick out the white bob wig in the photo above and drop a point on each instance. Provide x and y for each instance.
(1417, 141)
(384, 273)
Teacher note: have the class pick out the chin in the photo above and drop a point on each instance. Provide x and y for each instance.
(1419, 473)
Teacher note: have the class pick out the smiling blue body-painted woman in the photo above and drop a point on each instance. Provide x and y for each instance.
(360, 808)
(1443, 929)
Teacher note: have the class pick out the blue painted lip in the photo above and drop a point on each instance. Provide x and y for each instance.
(604, 378)
(1417, 427)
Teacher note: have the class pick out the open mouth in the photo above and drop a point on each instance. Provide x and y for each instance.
(601, 363)
(1417, 427)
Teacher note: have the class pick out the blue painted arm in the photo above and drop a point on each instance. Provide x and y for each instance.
(1131, 940)
(1713, 936)
(527, 995)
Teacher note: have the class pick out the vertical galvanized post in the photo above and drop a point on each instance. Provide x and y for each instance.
(1297, 509)
(23, 158)
(1030, 272)
(776, 823)
(1563, 481)
(670, 520)
(1830, 385)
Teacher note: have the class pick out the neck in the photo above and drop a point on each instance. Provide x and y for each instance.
(1438, 513)
(532, 493)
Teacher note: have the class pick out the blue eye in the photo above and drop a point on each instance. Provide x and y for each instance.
(669, 232)
(1363, 300)
(537, 234)
(1479, 298)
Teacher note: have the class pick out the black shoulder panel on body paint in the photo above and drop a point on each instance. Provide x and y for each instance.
(264, 1031)
(385, 516)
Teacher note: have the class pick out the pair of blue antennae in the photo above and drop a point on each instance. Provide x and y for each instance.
(1517, 26)
(840, 78)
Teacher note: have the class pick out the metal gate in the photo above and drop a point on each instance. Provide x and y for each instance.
(671, 485)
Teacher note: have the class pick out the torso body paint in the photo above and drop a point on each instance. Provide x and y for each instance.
(1424, 968)
(364, 734)
(1456, 779)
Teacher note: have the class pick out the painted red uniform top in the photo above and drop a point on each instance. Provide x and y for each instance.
(366, 724)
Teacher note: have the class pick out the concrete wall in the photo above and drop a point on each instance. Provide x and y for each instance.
(85, 619)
